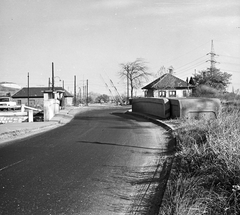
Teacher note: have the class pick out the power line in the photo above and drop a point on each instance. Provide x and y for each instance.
(232, 63)
(191, 67)
(187, 52)
(190, 62)
(220, 55)
(230, 70)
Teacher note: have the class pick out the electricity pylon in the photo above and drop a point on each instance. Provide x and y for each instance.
(212, 60)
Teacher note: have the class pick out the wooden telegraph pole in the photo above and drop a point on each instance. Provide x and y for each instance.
(52, 77)
(87, 94)
(28, 88)
(75, 85)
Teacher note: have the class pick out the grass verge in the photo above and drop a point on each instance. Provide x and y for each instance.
(205, 177)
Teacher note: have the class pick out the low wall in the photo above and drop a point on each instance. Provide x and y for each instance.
(159, 107)
(177, 107)
(16, 117)
(194, 107)
(51, 107)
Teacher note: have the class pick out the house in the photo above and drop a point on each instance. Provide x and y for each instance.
(168, 85)
(35, 96)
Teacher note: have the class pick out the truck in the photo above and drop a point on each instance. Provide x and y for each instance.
(6, 103)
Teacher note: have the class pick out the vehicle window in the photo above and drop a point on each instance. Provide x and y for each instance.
(4, 99)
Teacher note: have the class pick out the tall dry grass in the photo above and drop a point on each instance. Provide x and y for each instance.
(205, 178)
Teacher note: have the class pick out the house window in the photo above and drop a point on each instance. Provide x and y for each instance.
(19, 102)
(145, 93)
(162, 93)
(184, 93)
(172, 93)
(32, 103)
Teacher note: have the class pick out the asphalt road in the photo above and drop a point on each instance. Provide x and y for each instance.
(99, 163)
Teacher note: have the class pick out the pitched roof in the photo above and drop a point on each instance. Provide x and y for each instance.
(37, 92)
(168, 81)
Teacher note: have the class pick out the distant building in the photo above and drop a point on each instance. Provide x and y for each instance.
(36, 96)
(168, 85)
(8, 88)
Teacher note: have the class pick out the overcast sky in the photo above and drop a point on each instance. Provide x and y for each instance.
(89, 38)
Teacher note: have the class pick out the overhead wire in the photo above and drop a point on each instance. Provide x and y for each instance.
(190, 67)
(188, 52)
(191, 62)
(220, 55)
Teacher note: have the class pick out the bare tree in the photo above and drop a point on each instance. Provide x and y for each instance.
(135, 72)
(161, 71)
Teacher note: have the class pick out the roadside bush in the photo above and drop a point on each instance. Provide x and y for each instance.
(205, 178)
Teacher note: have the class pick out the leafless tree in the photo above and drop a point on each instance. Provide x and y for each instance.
(135, 72)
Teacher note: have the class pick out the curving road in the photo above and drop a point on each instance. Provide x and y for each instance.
(99, 163)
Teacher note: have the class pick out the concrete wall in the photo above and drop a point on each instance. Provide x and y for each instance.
(178, 107)
(194, 107)
(159, 107)
(51, 107)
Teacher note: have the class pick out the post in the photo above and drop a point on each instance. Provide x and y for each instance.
(63, 84)
(87, 93)
(127, 88)
(28, 88)
(83, 92)
(30, 115)
(75, 85)
(80, 95)
(52, 77)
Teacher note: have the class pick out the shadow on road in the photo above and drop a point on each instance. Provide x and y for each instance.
(149, 201)
(120, 145)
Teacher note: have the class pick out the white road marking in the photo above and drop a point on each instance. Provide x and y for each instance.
(11, 165)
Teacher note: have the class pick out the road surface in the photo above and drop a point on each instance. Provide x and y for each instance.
(99, 163)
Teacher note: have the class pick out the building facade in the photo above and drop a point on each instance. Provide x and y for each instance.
(35, 96)
(168, 85)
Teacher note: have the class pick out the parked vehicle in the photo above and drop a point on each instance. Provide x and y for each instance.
(38, 117)
(6, 103)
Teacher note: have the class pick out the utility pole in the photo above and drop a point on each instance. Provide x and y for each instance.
(28, 88)
(52, 77)
(127, 87)
(87, 93)
(212, 60)
(63, 84)
(75, 85)
(80, 95)
(83, 92)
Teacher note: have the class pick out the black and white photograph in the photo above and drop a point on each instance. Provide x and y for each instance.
(119, 107)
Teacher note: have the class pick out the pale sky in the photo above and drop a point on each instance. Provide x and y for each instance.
(87, 38)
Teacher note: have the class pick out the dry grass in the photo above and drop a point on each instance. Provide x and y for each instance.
(206, 173)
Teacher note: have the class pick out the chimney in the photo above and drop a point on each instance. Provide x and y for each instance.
(170, 70)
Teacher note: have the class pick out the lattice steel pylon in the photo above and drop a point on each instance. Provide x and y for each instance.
(212, 60)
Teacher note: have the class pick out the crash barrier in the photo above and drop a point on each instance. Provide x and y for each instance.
(194, 108)
(16, 117)
(165, 108)
(159, 107)
(25, 114)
